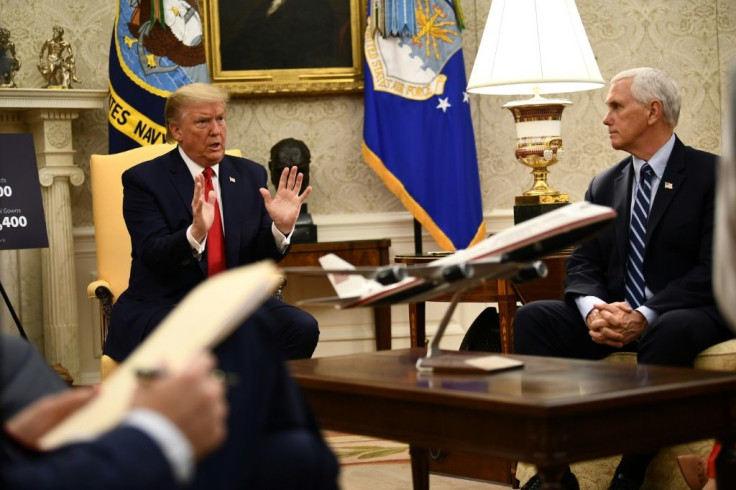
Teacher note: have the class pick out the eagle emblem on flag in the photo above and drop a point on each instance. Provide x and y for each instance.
(157, 46)
(162, 37)
(417, 129)
(411, 67)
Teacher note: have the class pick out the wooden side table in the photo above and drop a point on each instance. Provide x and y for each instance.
(506, 295)
(358, 253)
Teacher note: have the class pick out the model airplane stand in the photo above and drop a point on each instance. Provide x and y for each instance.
(439, 361)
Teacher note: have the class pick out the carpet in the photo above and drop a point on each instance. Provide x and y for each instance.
(378, 464)
(353, 449)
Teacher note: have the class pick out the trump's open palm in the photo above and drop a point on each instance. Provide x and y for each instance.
(284, 207)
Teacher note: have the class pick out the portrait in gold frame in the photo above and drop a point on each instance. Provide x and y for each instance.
(254, 68)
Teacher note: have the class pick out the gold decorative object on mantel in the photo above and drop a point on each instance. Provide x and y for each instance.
(56, 61)
(9, 61)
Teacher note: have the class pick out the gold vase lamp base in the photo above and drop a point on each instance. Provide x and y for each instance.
(542, 199)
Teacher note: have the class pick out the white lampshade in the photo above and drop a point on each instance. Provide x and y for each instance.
(534, 47)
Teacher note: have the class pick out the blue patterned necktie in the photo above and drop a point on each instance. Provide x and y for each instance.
(637, 239)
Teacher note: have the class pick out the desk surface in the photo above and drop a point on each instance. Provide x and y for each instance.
(551, 413)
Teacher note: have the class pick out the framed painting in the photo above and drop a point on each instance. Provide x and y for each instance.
(285, 47)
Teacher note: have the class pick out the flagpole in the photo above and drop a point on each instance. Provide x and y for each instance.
(421, 311)
(417, 238)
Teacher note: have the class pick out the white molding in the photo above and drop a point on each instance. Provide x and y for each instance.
(398, 226)
(88, 378)
(84, 240)
(25, 99)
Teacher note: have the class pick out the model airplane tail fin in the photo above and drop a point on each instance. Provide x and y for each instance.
(346, 285)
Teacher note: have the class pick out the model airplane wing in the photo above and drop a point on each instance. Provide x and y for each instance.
(506, 254)
(539, 236)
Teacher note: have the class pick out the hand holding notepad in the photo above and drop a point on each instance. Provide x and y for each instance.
(205, 317)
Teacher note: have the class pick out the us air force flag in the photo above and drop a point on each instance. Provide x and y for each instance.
(157, 46)
(418, 135)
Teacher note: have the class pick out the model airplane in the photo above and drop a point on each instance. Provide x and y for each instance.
(508, 254)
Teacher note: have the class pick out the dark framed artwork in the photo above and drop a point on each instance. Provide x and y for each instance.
(285, 47)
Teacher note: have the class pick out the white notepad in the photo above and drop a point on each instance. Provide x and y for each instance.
(205, 317)
(466, 362)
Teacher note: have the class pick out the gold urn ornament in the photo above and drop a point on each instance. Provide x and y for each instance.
(539, 144)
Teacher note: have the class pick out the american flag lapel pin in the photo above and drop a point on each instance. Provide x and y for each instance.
(232, 179)
(668, 185)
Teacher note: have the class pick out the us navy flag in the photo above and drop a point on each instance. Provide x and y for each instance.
(157, 46)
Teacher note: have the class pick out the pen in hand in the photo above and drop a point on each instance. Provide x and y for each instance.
(146, 375)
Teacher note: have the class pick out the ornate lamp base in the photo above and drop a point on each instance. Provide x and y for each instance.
(539, 146)
(543, 199)
(527, 207)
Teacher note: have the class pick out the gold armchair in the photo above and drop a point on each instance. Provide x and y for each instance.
(111, 236)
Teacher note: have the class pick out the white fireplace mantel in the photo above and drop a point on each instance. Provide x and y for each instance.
(23, 99)
(48, 115)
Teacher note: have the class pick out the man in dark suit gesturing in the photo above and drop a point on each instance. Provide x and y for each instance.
(181, 232)
(184, 430)
(644, 284)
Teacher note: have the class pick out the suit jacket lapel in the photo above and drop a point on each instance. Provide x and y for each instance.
(181, 179)
(622, 205)
(668, 187)
(183, 184)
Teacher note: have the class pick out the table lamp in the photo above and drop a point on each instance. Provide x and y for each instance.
(535, 47)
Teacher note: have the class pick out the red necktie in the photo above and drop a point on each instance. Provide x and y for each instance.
(215, 240)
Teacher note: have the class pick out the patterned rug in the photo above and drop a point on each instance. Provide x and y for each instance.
(354, 449)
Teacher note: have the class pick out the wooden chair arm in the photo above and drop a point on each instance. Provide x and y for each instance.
(279, 292)
(100, 289)
(93, 287)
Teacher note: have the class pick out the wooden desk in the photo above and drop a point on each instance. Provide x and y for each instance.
(500, 291)
(551, 413)
(358, 253)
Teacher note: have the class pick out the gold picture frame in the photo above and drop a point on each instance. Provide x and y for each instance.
(329, 59)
